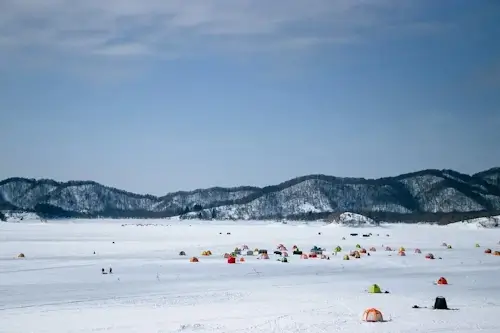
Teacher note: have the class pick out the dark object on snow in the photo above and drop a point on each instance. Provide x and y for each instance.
(354, 235)
(368, 254)
(415, 307)
(94, 252)
(285, 259)
(440, 303)
(182, 253)
(103, 271)
(297, 252)
(365, 235)
(228, 233)
(278, 253)
(262, 251)
(220, 233)
(319, 233)
(387, 292)
(110, 270)
(113, 242)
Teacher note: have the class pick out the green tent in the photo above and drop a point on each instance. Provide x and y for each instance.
(358, 246)
(374, 289)
(338, 249)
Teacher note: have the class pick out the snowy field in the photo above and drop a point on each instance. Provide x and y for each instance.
(58, 286)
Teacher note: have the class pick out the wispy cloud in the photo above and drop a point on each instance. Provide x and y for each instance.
(121, 28)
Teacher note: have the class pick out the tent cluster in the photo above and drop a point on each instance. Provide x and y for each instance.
(489, 251)
(374, 315)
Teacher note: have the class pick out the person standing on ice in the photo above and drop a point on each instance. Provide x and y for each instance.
(110, 270)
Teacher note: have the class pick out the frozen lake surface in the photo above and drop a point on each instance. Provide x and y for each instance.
(58, 286)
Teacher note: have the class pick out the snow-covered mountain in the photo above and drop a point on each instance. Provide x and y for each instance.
(312, 196)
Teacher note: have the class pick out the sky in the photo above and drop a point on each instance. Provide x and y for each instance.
(155, 96)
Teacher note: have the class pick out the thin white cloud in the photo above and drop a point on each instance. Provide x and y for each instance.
(159, 27)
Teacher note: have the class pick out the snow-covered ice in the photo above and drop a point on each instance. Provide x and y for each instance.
(58, 286)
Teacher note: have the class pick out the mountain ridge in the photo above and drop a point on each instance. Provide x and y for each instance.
(429, 191)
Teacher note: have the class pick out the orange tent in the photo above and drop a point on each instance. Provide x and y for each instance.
(372, 315)
(442, 280)
(242, 259)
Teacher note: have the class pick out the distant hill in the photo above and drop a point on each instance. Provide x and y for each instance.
(429, 195)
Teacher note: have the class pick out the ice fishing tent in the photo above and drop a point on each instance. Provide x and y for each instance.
(231, 260)
(477, 245)
(346, 257)
(442, 280)
(487, 251)
(21, 255)
(316, 249)
(418, 251)
(182, 253)
(193, 259)
(337, 249)
(374, 289)
(440, 303)
(372, 315)
(249, 253)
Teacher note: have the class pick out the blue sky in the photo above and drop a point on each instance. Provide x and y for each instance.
(154, 96)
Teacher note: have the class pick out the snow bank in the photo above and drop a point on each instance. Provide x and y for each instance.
(353, 220)
(479, 223)
(18, 217)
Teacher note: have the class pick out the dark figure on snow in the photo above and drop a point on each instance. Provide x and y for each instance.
(102, 271)
(110, 270)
